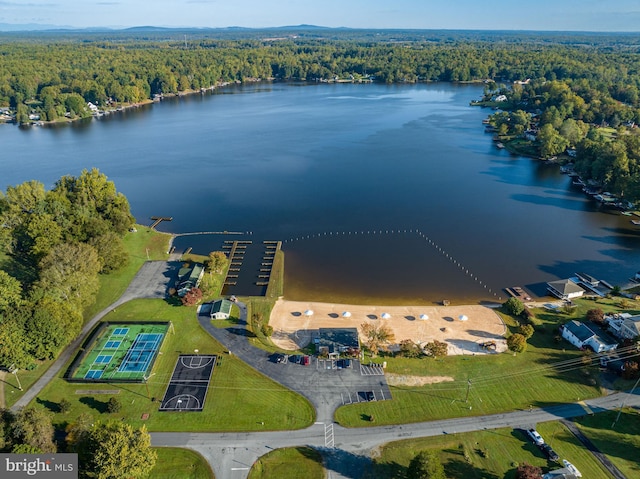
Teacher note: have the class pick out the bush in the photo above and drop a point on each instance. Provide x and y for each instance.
(596, 315)
(267, 330)
(517, 343)
(64, 405)
(526, 330)
(114, 405)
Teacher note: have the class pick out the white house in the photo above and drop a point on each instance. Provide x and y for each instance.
(623, 325)
(221, 309)
(565, 289)
(581, 336)
(500, 98)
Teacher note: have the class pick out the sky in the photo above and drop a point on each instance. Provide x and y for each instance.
(565, 15)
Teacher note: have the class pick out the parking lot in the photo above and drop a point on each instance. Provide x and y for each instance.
(338, 381)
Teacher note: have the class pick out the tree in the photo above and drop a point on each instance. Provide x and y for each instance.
(70, 273)
(631, 370)
(517, 343)
(376, 336)
(78, 432)
(551, 142)
(111, 251)
(116, 450)
(217, 261)
(192, 297)
(32, 426)
(513, 306)
(409, 349)
(114, 405)
(10, 291)
(436, 349)
(51, 326)
(425, 465)
(527, 471)
(526, 330)
(596, 315)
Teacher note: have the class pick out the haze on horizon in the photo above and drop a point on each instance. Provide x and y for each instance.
(551, 15)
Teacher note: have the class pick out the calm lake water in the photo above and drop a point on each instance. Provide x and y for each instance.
(381, 193)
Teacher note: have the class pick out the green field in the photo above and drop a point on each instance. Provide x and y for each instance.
(233, 383)
(114, 343)
(177, 463)
(488, 454)
(289, 463)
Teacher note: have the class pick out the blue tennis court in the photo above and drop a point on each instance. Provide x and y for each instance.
(112, 344)
(141, 353)
(103, 359)
(120, 332)
(93, 374)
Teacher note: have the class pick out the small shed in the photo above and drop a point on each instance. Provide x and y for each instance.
(221, 309)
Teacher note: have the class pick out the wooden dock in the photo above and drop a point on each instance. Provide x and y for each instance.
(159, 219)
(518, 293)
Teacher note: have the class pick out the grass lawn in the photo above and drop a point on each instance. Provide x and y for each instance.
(289, 463)
(178, 463)
(137, 244)
(488, 454)
(620, 443)
(499, 382)
(239, 397)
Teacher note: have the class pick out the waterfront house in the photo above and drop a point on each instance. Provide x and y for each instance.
(565, 289)
(500, 98)
(221, 309)
(582, 336)
(624, 325)
(189, 277)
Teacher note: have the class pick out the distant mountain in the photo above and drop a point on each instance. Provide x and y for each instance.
(29, 27)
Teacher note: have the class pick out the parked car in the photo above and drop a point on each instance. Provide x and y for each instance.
(295, 358)
(549, 452)
(306, 360)
(344, 363)
(278, 358)
(535, 437)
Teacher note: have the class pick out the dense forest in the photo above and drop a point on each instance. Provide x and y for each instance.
(54, 245)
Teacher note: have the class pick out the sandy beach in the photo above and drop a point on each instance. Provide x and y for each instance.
(293, 329)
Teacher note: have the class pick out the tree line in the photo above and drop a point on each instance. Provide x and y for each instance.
(55, 244)
(57, 77)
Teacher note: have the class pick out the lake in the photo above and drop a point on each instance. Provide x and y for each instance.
(380, 193)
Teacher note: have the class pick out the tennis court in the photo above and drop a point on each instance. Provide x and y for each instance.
(120, 353)
(189, 383)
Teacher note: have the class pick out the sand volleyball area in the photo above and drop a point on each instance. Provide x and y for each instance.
(463, 328)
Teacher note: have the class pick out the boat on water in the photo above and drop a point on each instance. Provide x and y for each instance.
(636, 222)
(500, 145)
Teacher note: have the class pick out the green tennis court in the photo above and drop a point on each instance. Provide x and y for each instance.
(120, 352)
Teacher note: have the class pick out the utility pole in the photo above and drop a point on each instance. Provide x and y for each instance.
(146, 379)
(466, 399)
(622, 405)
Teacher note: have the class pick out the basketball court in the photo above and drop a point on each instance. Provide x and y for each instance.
(189, 383)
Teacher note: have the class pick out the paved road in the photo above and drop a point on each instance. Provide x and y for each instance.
(232, 454)
(152, 281)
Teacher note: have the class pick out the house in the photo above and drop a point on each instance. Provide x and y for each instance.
(582, 336)
(189, 277)
(623, 325)
(565, 289)
(500, 98)
(334, 341)
(92, 107)
(530, 135)
(221, 309)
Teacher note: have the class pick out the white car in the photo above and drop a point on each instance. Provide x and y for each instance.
(535, 437)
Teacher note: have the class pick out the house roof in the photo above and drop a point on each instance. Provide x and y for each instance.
(579, 330)
(221, 306)
(338, 338)
(632, 324)
(565, 286)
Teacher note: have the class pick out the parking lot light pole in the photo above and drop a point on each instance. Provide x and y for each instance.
(146, 379)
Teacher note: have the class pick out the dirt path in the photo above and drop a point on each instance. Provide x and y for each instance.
(293, 329)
